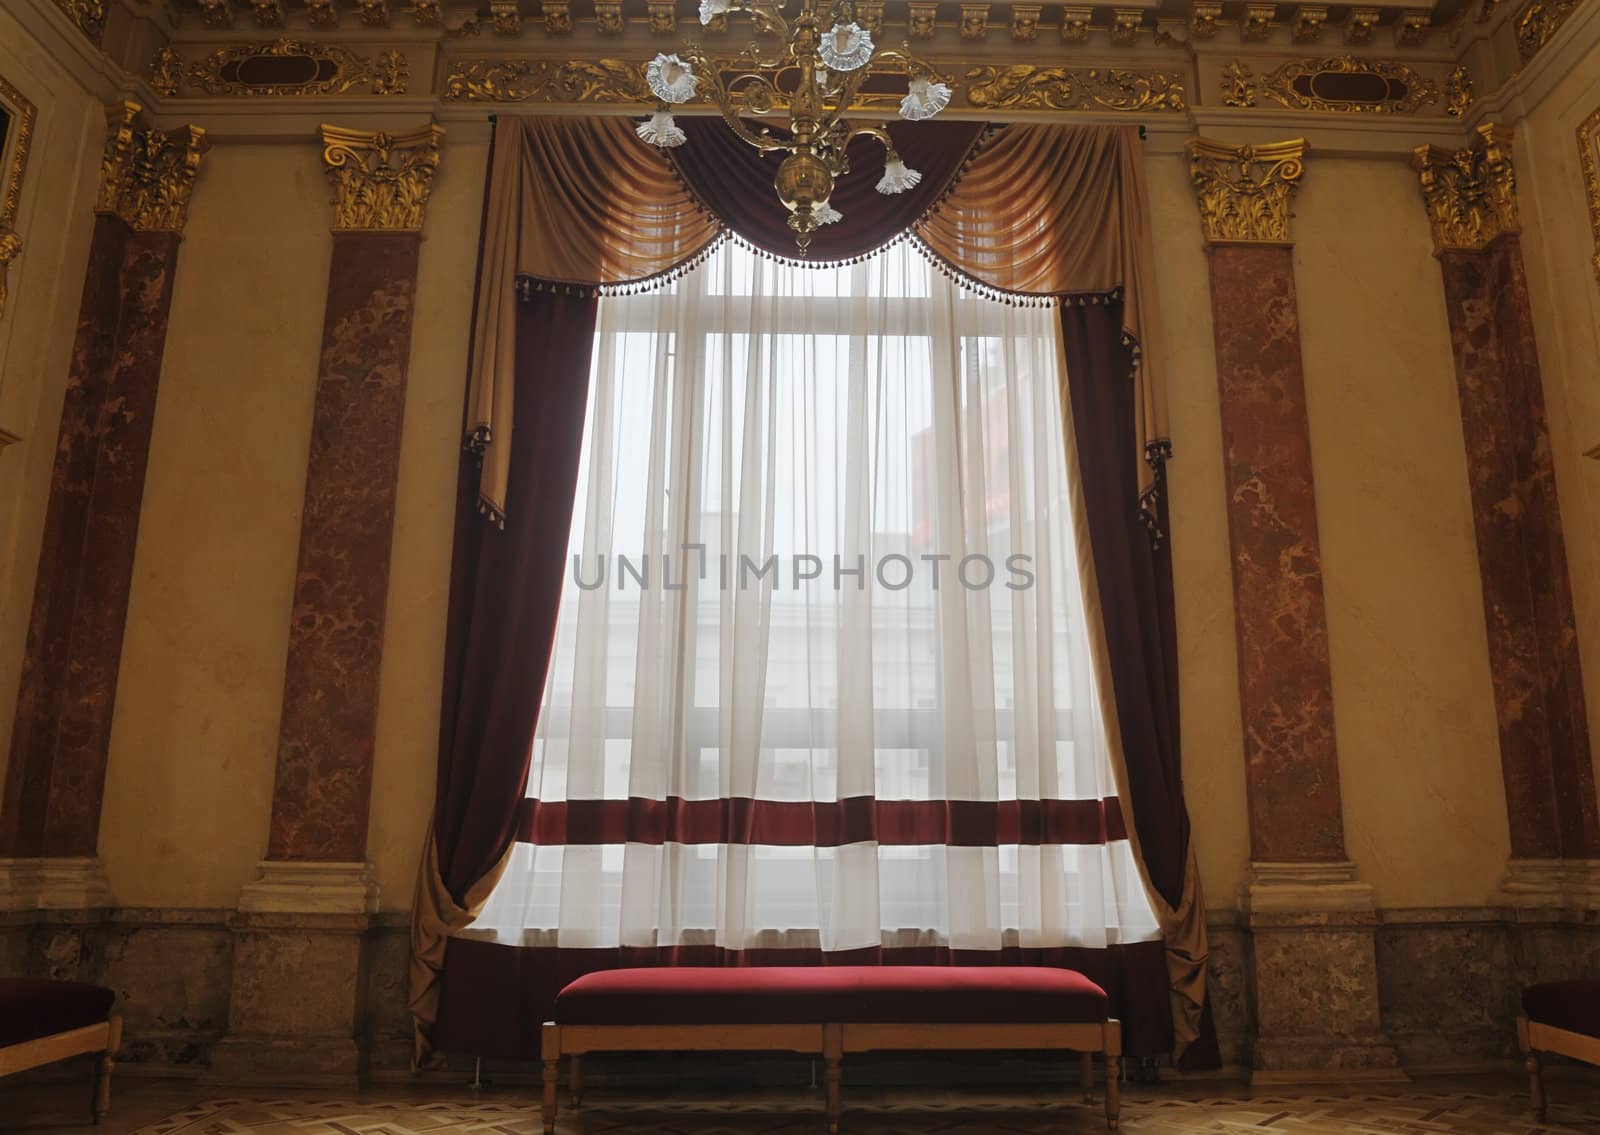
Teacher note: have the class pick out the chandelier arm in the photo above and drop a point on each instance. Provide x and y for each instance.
(915, 64)
(846, 96)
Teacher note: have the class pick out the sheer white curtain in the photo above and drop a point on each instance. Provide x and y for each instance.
(821, 677)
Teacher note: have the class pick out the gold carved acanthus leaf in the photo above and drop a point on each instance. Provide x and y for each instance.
(380, 181)
(297, 67)
(1026, 87)
(1470, 194)
(1538, 21)
(146, 175)
(1244, 191)
(89, 15)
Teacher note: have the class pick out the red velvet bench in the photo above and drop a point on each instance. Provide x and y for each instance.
(45, 1021)
(830, 1011)
(1560, 1017)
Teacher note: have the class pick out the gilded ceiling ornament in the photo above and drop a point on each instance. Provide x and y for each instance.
(1257, 25)
(216, 13)
(373, 13)
(663, 16)
(1075, 24)
(921, 19)
(1025, 22)
(380, 181)
(1589, 162)
(1308, 22)
(974, 21)
(427, 13)
(146, 175)
(608, 17)
(1358, 28)
(89, 15)
(1203, 22)
(1238, 85)
(1296, 86)
(16, 163)
(1413, 29)
(869, 14)
(485, 80)
(1244, 191)
(165, 70)
(1026, 87)
(268, 13)
(1125, 23)
(506, 16)
(322, 13)
(328, 70)
(1458, 92)
(557, 17)
(1470, 194)
(1538, 20)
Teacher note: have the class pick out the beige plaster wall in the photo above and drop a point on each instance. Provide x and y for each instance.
(194, 738)
(1559, 248)
(55, 220)
(1419, 763)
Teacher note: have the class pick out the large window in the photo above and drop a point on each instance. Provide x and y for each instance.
(821, 677)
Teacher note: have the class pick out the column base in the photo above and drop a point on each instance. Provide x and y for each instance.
(309, 887)
(76, 883)
(1314, 952)
(1552, 885)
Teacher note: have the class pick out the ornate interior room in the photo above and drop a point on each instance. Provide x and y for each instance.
(857, 566)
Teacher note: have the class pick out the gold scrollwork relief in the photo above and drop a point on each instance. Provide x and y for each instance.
(381, 182)
(1244, 191)
(1589, 161)
(89, 15)
(1458, 92)
(1344, 84)
(297, 67)
(1026, 87)
(146, 175)
(1470, 194)
(526, 80)
(1238, 85)
(14, 146)
(1537, 21)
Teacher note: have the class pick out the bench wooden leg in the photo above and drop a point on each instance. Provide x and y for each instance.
(1086, 1075)
(1536, 1097)
(550, 1052)
(832, 1054)
(1113, 1055)
(102, 1076)
(575, 1080)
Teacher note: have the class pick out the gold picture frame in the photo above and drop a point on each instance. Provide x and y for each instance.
(1589, 159)
(16, 136)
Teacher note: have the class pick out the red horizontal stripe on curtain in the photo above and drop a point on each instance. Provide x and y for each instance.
(497, 996)
(857, 819)
(734, 180)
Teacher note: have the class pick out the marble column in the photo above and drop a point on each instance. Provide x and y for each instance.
(303, 922)
(50, 817)
(1545, 759)
(1312, 922)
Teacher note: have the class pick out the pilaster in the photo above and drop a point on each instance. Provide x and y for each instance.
(1312, 922)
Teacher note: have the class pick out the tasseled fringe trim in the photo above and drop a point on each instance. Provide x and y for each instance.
(1156, 454)
(494, 515)
(478, 440)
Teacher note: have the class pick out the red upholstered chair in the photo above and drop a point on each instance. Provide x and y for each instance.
(45, 1021)
(1560, 1017)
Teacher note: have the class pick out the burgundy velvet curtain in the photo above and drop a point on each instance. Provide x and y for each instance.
(734, 181)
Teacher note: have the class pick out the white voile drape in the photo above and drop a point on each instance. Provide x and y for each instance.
(822, 551)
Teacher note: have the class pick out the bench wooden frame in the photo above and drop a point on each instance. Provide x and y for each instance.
(831, 1041)
(104, 1037)
(1536, 1038)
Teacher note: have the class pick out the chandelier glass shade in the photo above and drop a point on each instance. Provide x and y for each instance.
(810, 67)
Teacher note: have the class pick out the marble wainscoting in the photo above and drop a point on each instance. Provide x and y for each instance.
(1448, 983)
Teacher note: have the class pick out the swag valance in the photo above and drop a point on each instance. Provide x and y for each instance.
(1042, 212)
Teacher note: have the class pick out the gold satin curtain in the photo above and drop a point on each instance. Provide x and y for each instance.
(1060, 212)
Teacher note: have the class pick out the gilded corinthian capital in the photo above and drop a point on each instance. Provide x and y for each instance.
(380, 181)
(1470, 194)
(146, 175)
(1244, 191)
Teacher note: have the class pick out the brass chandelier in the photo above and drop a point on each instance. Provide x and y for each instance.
(827, 65)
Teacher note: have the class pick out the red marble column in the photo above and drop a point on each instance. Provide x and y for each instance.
(321, 799)
(61, 736)
(1285, 686)
(330, 699)
(1527, 594)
